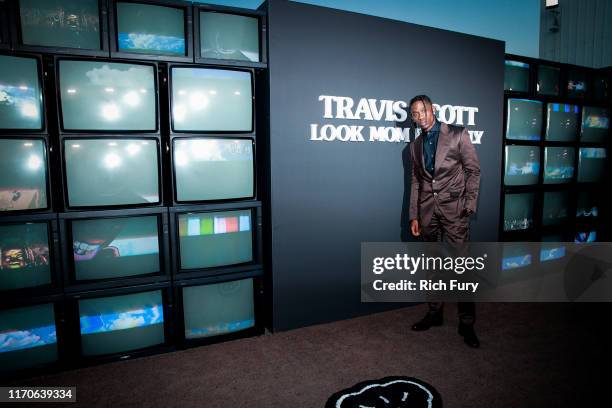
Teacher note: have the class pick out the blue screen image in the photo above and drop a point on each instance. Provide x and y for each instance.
(12, 340)
(549, 254)
(514, 262)
(130, 319)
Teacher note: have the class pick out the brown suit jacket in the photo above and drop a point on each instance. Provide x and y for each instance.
(456, 179)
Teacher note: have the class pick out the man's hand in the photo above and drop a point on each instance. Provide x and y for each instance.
(414, 228)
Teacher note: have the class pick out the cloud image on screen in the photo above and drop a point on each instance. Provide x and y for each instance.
(524, 121)
(514, 262)
(115, 247)
(522, 165)
(550, 254)
(213, 169)
(24, 256)
(120, 323)
(229, 36)
(207, 100)
(215, 239)
(595, 124)
(60, 23)
(99, 96)
(23, 174)
(20, 94)
(12, 340)
(111, 171)
(150, 29)
(558, 165)
(128, 319)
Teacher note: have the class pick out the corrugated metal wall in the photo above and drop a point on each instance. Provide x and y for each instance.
(584, 35)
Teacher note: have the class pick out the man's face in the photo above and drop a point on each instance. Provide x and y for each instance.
(422, 114)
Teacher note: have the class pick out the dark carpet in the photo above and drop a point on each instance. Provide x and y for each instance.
(531, 355)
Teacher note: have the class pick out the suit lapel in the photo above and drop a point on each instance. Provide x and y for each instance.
(443, 145)
(418, 145)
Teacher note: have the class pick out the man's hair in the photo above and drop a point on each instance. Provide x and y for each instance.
(422, 98)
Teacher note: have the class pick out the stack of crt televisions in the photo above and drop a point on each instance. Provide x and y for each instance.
(129, 216)
(557, 125)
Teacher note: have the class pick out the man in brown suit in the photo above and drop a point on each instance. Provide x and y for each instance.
(443, 195)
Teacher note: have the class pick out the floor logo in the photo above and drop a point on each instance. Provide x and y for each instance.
(396, 392)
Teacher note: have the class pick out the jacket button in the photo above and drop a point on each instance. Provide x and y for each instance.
(433, 181)
(435, 194)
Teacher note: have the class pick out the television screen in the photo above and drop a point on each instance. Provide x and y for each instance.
(516, 256)
(524, 120)
(588, 205)
(229, 36)
(522, 165)
(60, 23)
(221, 308)
(111, 172)
(576, 84)
(211, 239)
(115, 247)
(28, 337)
(555, 208)
(595, 124)
(558, 165)
(551, 249)
(213, 169)
(516, 76)
(23, 174)
(585, 236)
(150, 29)
(24, 256)
(21, 104)
(208, 100)
(562, 122)
(600, 88)
(518, 211)
(591, 164)
(107, 96)
(548, 80)
(117, 324)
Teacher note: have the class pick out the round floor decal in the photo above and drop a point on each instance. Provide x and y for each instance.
(388, 392)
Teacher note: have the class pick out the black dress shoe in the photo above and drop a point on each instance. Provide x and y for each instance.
(430, 320)
(469, 335)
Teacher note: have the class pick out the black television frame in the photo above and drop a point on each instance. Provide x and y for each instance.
(263, 28)
(232, 133)
(606, 164)
(5, 38)
(113, 31)
(60, 326)
(76, 356)
(68, 264)
(570, 145)
(56, 285)
(64, 181)
(16, 36)
(179, 273)
(70, 132)
(258, 303)
(44, 116)
(571, 209)
(548, 103)
(50, 191)
(175, 200)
